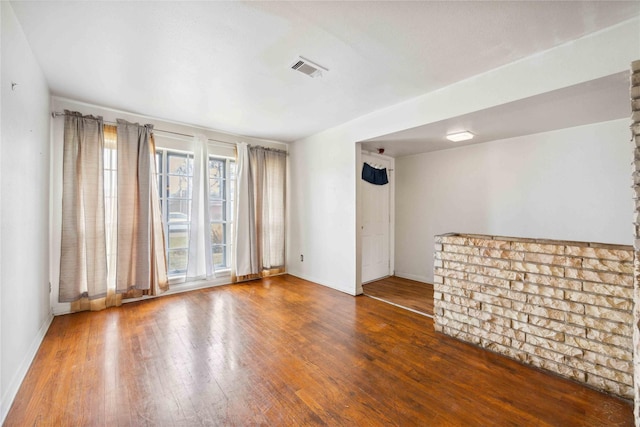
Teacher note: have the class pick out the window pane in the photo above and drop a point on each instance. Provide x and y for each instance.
(231, 198)
(216, 210)
(217, 233)
(106, 155)
(177, 262)
(177, 217)
(219, 258)
(216, 188)
(109, 159)
(107, 182)
(232, 170)
(179, 209)
(178, 235)
(216, 168)
(179, 164)
(179, 186)
(159, 174)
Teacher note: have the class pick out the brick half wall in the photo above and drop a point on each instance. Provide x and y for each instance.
(566, 307)
(635, 139)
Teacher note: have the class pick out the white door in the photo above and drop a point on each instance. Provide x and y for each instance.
(375, 224)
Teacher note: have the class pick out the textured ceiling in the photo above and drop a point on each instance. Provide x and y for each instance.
(226, 65)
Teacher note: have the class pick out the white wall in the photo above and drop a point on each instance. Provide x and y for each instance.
(324, 219)
(24, 208)
(322, 213)
(571, 184)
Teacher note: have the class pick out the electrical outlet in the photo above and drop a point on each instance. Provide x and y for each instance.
(301, 258)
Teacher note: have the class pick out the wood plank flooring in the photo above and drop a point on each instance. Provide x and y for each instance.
(285, 352)
(407, 293)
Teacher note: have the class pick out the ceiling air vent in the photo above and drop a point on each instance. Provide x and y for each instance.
(309, 68)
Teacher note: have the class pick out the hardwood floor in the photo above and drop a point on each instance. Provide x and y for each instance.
(407, 293)
(285, 352)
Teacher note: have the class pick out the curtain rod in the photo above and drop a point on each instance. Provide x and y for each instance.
(55, 114)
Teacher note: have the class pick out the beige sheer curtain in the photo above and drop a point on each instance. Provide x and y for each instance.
(83, 259)
(112, 243)
(141, 267)
(110, 205)
(259, 248)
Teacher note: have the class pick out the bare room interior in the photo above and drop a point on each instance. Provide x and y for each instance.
(319, 213)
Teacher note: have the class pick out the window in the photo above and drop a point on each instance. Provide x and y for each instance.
(221, 190)
(175, 177)
(110, 168)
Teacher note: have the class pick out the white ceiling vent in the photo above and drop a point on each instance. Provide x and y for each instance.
(309, 68)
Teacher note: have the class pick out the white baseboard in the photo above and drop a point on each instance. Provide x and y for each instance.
(415, 277)
(21, 372)
(316, 281)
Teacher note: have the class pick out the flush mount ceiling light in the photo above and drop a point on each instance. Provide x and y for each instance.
(460, 136)
(309, 68)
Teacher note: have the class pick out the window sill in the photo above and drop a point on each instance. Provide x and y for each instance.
(178, 285)
(178, 281)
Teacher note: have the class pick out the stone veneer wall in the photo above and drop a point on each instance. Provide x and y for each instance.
(635, 132)
(561, 306)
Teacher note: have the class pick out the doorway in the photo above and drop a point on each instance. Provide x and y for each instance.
(376, 221)
(377, 245)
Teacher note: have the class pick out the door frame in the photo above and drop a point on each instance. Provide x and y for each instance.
(359, 211)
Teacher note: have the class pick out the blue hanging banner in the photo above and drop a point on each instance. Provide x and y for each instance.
(373, 175)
